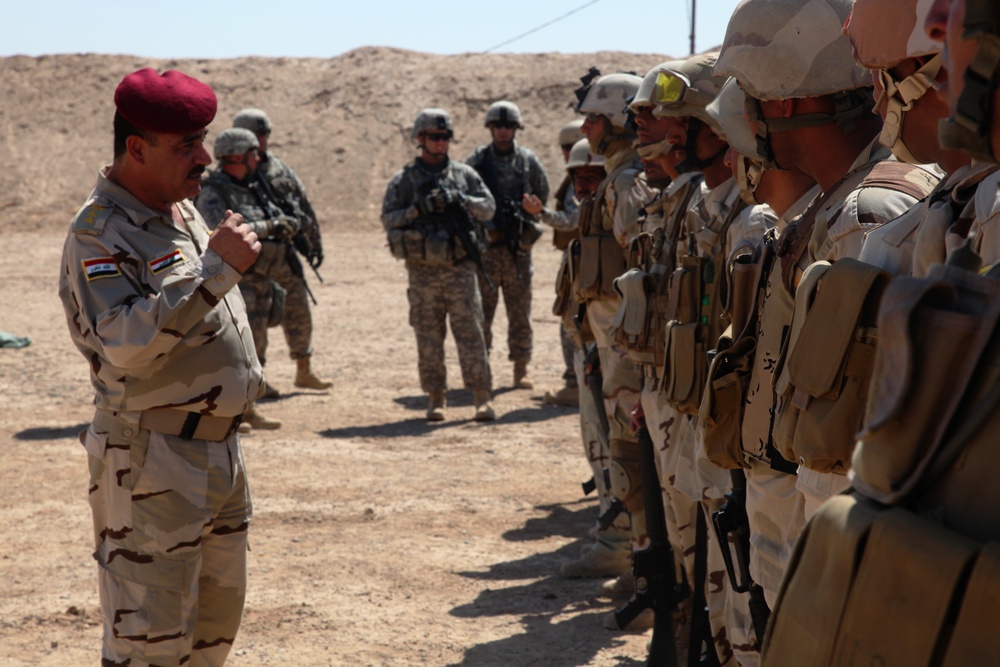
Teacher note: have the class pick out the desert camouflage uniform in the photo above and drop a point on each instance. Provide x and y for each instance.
(562, 220)
(622, 380)
(297, 319)
(221, 192)
(778, 503)
(154, 313)
(442, 290)
(517, 173)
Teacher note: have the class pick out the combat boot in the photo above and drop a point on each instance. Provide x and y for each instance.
(642, 622)
(305, 378)
(621, 587)
(521, 378)
(435, 406)
(568, 395)
(256, 419)
(601, 560)
(484, 405)
(269, 391)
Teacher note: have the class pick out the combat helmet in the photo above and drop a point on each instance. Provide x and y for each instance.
(503, 111)
(784, 49)
(234, 141)
(608, 97)
(726, 111)
(883, 34)
(570, 133)
(644, 100)
(254, 120)
(968, 128)
(581, 156)
(432, 119)
(684, 91)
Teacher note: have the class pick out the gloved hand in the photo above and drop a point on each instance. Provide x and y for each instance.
(315, 258)
(439, 199)
(284, 228)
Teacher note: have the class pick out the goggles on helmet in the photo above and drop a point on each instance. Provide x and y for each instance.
(673, 89)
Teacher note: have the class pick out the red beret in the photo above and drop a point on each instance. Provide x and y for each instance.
(173, 103)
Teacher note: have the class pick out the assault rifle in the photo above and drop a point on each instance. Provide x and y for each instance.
(731, 522)
(460, 225)
(300, 241)
(594, 380)
(655, 577)
(260, 187)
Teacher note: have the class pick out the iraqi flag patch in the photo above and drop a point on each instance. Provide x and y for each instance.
(163, 263)
(100, 267)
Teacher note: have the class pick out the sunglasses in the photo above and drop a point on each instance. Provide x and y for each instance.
(504, 125)
(438, 136)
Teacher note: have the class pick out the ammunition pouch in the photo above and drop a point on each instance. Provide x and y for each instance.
(685, 336)
(634, 322)
(601, 261)
(564, 288)
(826, 365)
(430, 244)
(721, 410)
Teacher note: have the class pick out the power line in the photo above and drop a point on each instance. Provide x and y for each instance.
(544, 25)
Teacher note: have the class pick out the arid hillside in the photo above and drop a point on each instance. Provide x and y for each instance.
(342, 123)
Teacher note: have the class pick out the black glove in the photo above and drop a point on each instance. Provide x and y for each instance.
(284, 228)
(439, 199)
(315, 258)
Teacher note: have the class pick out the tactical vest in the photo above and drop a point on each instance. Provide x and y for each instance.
(906, 570)
(696, 298)
(601, 258)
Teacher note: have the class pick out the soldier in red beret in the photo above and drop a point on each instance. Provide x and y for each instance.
(149, 299)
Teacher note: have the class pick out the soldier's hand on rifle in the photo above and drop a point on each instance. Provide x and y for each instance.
(315, 258)
(440, 198)
(532, 204)
(284, 228)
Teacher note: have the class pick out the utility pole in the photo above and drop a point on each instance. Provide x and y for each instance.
(693, 3)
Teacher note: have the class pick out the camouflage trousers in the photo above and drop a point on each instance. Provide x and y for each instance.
(170, 529)
(441, 295)
(776, 513)
(568, 350)
(503, 271)
(597, 450)
(258, 297)
(297, 320)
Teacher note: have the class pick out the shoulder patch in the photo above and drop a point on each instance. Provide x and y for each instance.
(100, 267)
(166, 261)
(92, 217)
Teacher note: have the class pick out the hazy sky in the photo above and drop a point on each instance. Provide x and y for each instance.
(324, 28)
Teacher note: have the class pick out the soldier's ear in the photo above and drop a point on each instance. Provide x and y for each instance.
(135, 146)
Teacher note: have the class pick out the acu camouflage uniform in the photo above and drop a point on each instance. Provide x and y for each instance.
(439, 289)
(509, 177)
(154, 313)
(221, 192)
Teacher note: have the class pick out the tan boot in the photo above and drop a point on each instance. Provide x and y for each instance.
(521, 378)
(269, 391)
(258, 420)
(621, 587)
(484, 406)
(435, 406)
(568, 395)
(305, 378)
(244, 428)
(601, 560)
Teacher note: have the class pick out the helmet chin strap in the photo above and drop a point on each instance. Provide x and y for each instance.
(691, 161)
(748, 175)
(900, 98)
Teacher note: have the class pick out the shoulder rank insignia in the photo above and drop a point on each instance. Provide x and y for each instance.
(92, 217)
(166, 261)
(100, 267)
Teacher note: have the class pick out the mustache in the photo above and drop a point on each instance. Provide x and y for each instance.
(196, 172)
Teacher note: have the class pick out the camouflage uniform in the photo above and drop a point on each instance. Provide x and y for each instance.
(509, 176)
(442, 289)
(563, 220)
(221, 192)
(297, 319)
(154, 313)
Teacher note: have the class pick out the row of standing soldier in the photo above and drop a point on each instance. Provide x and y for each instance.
(728, 277)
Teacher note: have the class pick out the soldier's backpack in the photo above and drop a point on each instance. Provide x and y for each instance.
(906, 569)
